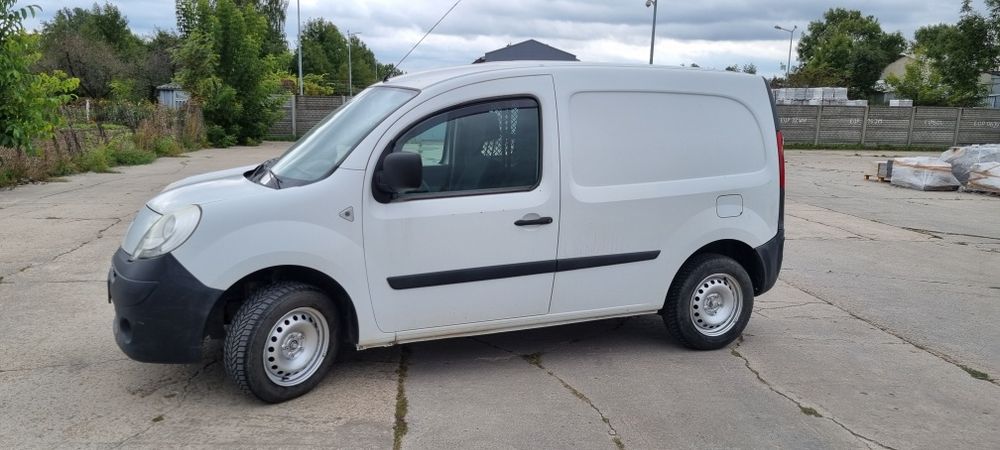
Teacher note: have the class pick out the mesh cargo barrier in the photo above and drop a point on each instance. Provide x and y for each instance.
(963, 158)
(925, 173)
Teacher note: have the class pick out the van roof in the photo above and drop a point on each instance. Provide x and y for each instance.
(427, 78)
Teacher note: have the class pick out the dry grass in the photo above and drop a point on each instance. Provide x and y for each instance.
(98, 146)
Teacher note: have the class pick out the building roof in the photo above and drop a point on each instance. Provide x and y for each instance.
(172, 86)
(530, 50)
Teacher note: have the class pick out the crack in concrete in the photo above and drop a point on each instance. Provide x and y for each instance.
(807, 410)
(53, 281)
(57, 366)
(400, 427)
(886, 277)
(796, 305)
(866, 238)
(940, 355)
(100, 234)
(180, 402)
(79, 187)
(931, 233)
(934, 233)
(535, 359)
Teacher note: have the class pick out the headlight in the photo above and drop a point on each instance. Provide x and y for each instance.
(168, 232)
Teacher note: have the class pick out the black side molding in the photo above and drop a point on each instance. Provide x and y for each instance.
(515, 270)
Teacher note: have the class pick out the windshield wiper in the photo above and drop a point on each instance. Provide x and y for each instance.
(265, 168)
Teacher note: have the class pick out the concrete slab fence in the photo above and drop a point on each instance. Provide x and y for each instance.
(801, 124)
(883, 125)
(302, 112)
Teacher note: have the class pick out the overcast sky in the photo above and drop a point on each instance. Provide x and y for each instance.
(711, 33)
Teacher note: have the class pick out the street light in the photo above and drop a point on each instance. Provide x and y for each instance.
(350, 69)
(791, 34)
(298, 13)
(652, 40)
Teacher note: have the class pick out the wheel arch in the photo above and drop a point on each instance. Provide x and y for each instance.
(744, 254)
(234, 297)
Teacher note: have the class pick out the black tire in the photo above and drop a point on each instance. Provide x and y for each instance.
(250, 329)
(677, 310)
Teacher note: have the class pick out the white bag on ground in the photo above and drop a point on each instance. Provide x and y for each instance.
(984, 177)
(925, 173)
(963, 158)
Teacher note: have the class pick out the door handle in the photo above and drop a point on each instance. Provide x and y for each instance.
(538, 221)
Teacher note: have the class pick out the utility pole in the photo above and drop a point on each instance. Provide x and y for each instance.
(298, 13)
(350, 65)
(652, 39)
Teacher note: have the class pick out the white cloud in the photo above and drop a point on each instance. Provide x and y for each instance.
(712, 33)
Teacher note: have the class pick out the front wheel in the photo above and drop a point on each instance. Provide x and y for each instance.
(709, 303)
(282, 341)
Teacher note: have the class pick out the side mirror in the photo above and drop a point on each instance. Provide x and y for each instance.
(401, 172)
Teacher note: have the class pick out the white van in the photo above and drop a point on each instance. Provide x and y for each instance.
(470, 200)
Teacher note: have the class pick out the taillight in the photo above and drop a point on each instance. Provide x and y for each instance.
(781, 160)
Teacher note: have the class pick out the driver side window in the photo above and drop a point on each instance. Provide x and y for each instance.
(492, 145)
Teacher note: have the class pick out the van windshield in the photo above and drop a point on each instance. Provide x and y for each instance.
(322, 149)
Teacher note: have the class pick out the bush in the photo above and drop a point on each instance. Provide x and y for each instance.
(123, 152)
(94, 160)
(218, 137)
(167, 146)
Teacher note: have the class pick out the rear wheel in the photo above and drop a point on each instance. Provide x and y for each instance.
(709, 303)
(282, 341)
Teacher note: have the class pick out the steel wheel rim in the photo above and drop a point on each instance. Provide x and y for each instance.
(296, 346)
(716, 304)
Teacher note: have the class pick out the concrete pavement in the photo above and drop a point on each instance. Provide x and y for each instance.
(886, 308)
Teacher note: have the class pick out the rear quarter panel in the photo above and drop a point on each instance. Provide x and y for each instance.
(645, 155)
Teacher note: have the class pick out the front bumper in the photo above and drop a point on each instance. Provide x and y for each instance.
(160, 309)
(770, 255)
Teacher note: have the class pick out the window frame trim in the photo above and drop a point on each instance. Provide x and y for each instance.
(385, 198)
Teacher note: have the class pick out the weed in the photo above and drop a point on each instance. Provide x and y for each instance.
(534, 359)
(167, 146)
(122, 151)
(94, 160)
(809, 411)
(400, 428)
(977, 374)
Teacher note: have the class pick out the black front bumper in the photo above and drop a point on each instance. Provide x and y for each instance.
(770, 255)
(160, 309)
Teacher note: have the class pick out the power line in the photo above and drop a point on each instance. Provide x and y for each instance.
(426, 34)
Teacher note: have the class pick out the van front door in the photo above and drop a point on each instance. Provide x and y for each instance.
(477, 242)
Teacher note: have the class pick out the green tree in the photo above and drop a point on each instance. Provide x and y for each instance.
(94, 45)
(29, 102)
(158, 67)
(750, 68)
(387, 70)
(274, 12)
(813, 75)
(961, 53)
(222, 63)
(921, 83)
(848, 46)
(362, 71)
(324, 49)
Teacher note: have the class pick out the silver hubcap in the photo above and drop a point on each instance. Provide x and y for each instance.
(716, 304)
(296, 346)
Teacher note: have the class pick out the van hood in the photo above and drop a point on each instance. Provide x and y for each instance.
(206, 188)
